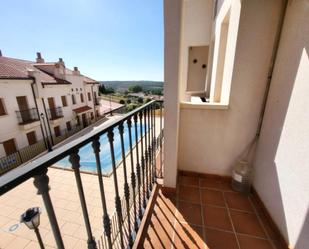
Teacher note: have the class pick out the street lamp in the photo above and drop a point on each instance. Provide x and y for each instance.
(46, 138)
(31, 218)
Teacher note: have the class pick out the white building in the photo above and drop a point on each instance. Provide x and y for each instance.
(39, 98)
(231, 68)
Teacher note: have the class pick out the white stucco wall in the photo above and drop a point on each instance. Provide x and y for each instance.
(195, 31)
(172, 26)
(9, 127)
(282, 159)
(211, 140)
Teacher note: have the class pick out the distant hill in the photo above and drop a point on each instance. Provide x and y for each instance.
(122, 86)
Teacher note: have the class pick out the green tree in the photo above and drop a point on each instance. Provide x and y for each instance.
(102, 88)
(106, 90)
(122, 102)
(135, 89)
(129, 101)
(140, 100)
(131, 107)
(156, 91)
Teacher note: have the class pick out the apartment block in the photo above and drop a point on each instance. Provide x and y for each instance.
(39, 97)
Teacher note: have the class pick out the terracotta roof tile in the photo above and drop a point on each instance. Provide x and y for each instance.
(11, 68)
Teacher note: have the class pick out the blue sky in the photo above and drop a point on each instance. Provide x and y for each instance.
(106, 39)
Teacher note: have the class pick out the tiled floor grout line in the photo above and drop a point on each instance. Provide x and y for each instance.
(261, 223)
(175, 218)
(229, 214)
(202, 215)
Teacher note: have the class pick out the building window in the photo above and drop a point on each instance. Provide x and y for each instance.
(68, 124)
(78, 120)
(73, 99)
(95, 94)
(57, 131)
(31, 136)
(9, 146)
(80, 89)
(82, 98)
(2, 107)
(91, 115)
(89, 96)
(64, 101)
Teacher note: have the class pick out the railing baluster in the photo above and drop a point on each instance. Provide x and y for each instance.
(138, 169)
(106, 219)
(133, 180)
(126, 185)
(110, 135)
(142, 158)
(147, 158)
(154, 142)
(74, 160)
(150, 145)
(151, 139)
(41, 183)
(161, 134)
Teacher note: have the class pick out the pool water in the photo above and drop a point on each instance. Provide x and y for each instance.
(87, 157)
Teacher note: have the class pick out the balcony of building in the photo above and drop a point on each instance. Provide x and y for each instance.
(28, 118)
(55, 114)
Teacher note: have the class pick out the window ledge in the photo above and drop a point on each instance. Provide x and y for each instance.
(209, 106)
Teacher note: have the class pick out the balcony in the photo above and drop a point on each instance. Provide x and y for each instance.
(121, 196)
(206, 213)
(137, 210)
(28, 118)
(55, 114)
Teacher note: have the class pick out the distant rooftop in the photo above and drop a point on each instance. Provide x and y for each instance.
(12, 68)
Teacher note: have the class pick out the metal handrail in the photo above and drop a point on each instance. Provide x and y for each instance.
(138, 178)
(27, 116)
(55, 113)
(19, 175)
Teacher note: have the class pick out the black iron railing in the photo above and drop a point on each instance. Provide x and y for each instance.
(132, 193)
(27, 153)
(55, 113)
(27, 116)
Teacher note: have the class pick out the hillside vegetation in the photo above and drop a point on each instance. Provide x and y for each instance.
(122, 86)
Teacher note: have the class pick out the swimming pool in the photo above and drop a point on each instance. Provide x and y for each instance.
(87, 157)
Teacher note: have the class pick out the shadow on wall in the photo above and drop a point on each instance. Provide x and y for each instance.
(280, 158)
(303, 238)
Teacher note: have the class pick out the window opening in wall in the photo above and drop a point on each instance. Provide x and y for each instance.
(73, 99)
(64, 101)
(31, 136)
(9, 146)
(57, 131)
(2, 107)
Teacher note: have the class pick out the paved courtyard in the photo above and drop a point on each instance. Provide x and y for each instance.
(66, 203)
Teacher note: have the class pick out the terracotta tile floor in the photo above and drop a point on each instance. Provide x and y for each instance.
(205, 213)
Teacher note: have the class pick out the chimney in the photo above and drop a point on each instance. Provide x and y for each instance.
(76, 71)
(59, 71)
(39, 58)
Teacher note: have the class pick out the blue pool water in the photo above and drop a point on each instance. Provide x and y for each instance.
(87, 158)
